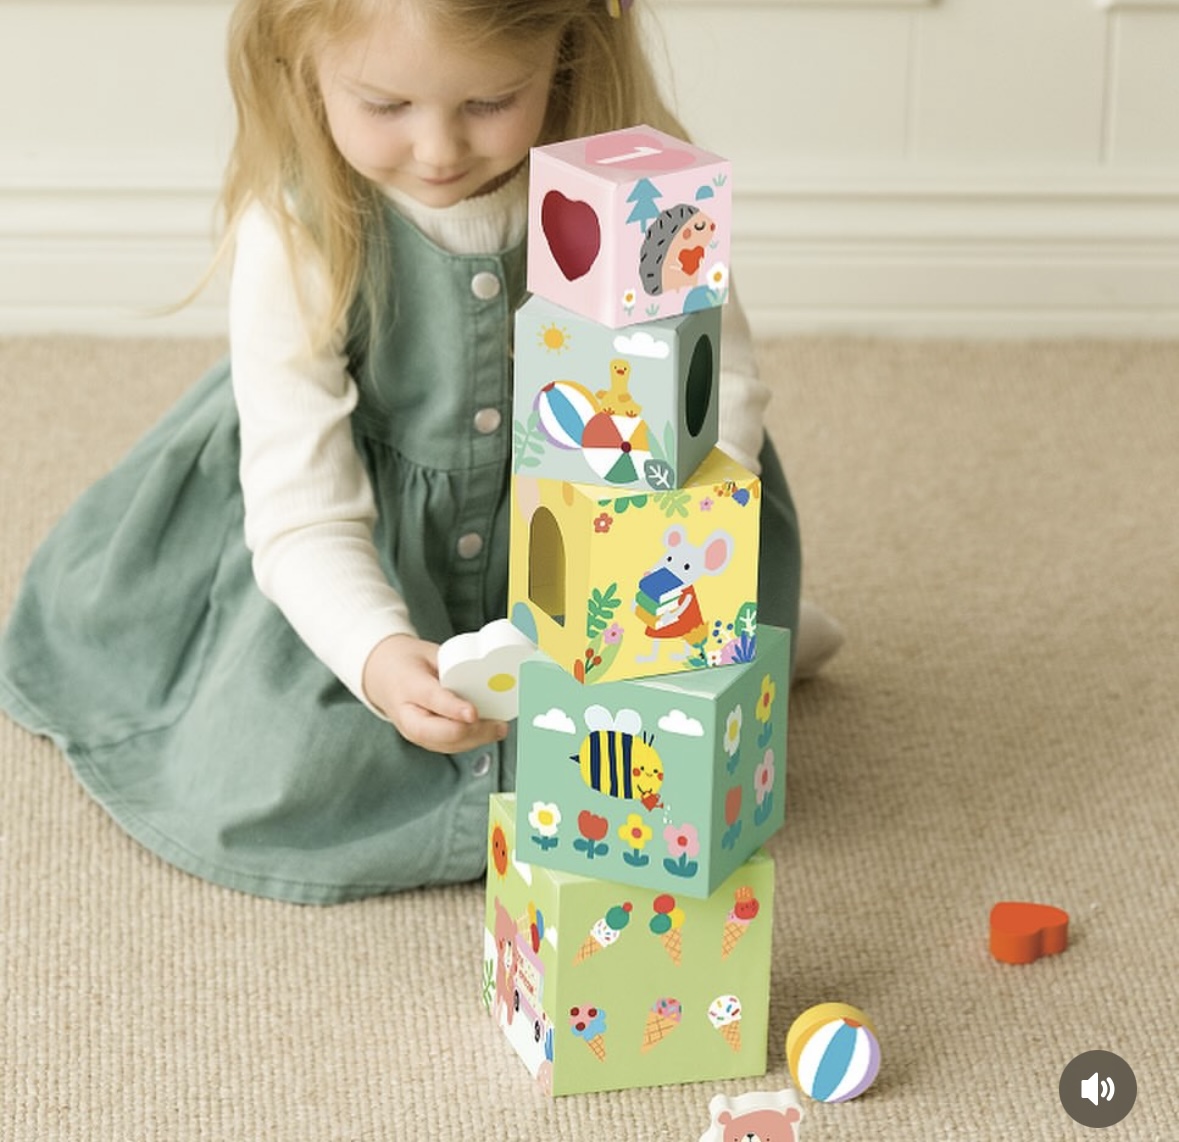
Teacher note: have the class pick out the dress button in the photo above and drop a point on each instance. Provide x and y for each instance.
(470, 545)
(485, 286)
(481, 766)
(487, 420)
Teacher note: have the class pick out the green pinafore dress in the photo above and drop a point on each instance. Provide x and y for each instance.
(185, 702)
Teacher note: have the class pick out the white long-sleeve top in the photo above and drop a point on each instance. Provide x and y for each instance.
(309, 505)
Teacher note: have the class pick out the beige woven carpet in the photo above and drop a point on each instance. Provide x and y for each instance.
(995, 525)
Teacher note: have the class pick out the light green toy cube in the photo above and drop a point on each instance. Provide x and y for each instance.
(669, 783)
(625, 585)
(600, 986)
(629, 408)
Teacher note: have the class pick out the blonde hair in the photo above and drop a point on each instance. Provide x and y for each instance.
(283, 155)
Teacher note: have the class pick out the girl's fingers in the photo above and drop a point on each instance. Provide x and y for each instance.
(427, 693)
(442, 734)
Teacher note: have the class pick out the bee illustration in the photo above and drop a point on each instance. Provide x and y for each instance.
(618, 759)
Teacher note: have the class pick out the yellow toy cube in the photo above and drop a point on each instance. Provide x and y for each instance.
(628, 586)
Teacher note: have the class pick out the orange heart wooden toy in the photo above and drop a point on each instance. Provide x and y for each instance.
(1021, 932)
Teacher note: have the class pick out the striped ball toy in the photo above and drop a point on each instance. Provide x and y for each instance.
(832, 1052)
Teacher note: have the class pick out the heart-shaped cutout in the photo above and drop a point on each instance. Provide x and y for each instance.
(573, 233)
(1021, 932)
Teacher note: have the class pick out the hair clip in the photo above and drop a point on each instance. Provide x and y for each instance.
(617, 7)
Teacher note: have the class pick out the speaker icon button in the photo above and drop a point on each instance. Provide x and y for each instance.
(1095, 1093)
(1098, 1088)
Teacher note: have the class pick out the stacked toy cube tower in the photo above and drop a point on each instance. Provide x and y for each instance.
(628, 903)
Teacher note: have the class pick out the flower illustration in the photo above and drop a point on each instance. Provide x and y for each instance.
(763, 777)
(683, 844)
(763, 788)
(636, 833)
(732, 805)
(544, 818)
(765, 702)
(706, 504)
(603, 522)
(612, 634)
(732, 738)
(629, 298)
(732, 817)
(682, 840)
(718, 277)
(592, 828)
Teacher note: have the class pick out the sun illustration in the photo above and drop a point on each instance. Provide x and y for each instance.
(554, 338)
(499, 850)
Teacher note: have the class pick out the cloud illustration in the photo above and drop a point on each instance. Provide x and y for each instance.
(556, 720)
(642, 344)
(677, 722)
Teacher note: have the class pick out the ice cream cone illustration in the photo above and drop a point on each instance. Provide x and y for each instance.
(667, 924)
(745, 909)
(605, 931)
(724, 1013)
(589, 1023)
(531, 926)
(663, 1018)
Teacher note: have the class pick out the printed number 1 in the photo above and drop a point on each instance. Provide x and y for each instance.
(639, 152)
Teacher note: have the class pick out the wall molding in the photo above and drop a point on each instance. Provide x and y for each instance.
(961, 256)
(1173, 4)
(729, 4)
(920, 254)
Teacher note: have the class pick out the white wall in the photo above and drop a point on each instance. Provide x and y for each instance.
(990, 167)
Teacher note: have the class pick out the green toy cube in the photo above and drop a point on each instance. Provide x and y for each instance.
(627, 408)
(667, 783)
(600, 986)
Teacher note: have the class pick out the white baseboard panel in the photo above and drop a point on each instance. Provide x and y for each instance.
(871, 256)
(105, 257)
(959, 256)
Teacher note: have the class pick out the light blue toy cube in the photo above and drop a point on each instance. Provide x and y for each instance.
(626, 408)
(668, 782)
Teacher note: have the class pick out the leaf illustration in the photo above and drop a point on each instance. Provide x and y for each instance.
(674, 503)
(527, 444)
(600, 610)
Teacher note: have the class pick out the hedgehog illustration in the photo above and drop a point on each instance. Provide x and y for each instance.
(673, 250)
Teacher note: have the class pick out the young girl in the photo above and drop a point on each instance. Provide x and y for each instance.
(233, 635)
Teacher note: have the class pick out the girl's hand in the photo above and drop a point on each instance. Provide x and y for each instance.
(401, 680)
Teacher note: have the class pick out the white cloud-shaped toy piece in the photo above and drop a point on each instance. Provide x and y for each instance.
(483, 666)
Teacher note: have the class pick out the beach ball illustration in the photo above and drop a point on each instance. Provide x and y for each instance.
(565, 408)
(616, 447)
(832, 1052)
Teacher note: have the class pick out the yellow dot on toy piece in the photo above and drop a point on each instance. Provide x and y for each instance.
(832, 1052)
(501, 683)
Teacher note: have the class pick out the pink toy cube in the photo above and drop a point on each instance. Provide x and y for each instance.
(629, 226)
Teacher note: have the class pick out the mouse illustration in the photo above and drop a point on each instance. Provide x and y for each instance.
(666, 599)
